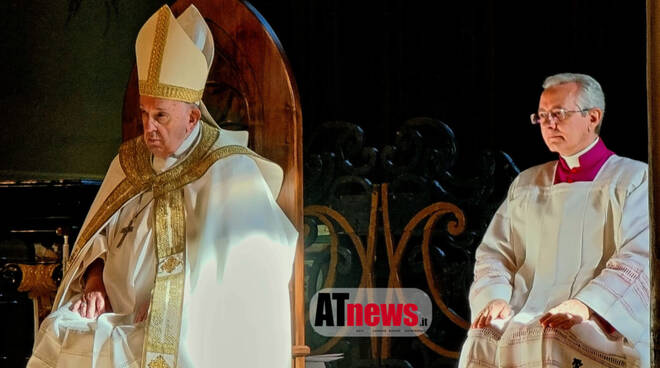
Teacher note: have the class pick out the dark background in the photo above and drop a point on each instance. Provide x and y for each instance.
(476, 65)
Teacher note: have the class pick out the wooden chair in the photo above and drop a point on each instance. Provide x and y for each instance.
(251, 84)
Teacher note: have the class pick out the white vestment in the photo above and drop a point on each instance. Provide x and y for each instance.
(548, 243)
(239, 250)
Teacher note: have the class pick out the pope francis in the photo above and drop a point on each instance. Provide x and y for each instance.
(185, 257)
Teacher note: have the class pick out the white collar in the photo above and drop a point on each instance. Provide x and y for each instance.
(574, 160)
(162, 164)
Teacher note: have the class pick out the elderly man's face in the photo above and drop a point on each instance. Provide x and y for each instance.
(166, 124)
(577, 131)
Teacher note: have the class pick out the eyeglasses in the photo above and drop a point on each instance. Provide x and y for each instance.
(555, 115)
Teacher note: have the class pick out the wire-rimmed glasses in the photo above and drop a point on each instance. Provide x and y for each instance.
(555, 115)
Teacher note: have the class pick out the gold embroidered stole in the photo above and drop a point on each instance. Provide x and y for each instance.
(164, 319)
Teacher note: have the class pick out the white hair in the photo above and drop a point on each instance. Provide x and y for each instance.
(590, 93)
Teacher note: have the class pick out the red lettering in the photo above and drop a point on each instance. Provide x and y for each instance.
(409, 310)
(391, 314)
(354, 314)
(371, 313)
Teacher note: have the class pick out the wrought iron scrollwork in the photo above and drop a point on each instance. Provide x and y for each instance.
(419, 219)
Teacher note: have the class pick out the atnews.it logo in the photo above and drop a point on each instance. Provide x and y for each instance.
(370, 312)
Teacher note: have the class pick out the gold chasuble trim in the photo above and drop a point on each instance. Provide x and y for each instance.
(120, 195)
(164, 319)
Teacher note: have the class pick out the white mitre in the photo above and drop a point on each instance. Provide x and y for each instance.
(174, 55)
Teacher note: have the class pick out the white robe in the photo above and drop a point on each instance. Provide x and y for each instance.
(548, 243)
(239, 259)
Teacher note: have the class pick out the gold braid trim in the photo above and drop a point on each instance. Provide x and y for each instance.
(164, 327)
(168, 91)
(165, 184)
(159, 362)
(135, 159)
(170, 231)
(120, 195)
(170, 264)
(158, 47)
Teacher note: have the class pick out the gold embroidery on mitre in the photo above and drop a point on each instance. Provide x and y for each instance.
(159, 362)
(155, 89)
(158, 47)
(151, 86)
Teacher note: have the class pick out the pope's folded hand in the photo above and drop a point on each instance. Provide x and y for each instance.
(93, 301)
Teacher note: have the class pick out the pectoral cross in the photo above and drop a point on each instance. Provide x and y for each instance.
(129, 228)
(125, 232)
